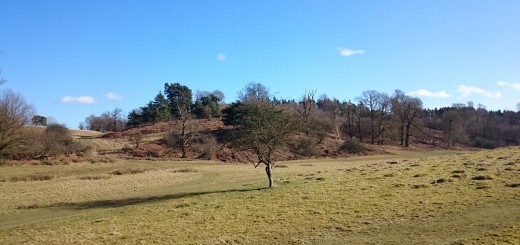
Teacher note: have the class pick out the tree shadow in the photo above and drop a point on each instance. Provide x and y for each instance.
(116, 203)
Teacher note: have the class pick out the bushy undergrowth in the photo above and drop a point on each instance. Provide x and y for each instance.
(307, 147)
(352, 146)
(208, 147)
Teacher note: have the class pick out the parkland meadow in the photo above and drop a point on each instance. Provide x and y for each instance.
(403, 197)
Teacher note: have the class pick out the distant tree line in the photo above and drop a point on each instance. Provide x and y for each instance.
(109, 121)
(373, 117)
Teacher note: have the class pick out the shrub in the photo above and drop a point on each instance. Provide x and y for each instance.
(352, 146)
(307, 147)
(485, 143)
(482, 177)
(208, 147)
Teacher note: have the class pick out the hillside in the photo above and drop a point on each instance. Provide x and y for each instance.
(210, 134)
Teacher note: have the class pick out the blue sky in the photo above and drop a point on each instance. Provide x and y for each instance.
(75, 58)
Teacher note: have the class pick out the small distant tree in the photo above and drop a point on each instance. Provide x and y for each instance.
(307, 105)
(117, 119)
(254, 92)
(136, 139)
(331, 108)
(179, 98)
(181, 137)
(261, 128)
(39, 121)
(207, 105)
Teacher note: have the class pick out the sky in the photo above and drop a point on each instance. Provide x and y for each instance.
(72, 59)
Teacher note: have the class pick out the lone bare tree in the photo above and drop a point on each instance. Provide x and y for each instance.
(262, 128)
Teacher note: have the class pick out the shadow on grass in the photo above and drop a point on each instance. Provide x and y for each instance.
(116, 203)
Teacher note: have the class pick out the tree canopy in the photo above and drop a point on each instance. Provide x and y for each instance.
(262, 128)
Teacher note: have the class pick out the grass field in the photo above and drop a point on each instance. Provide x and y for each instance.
(433, 197)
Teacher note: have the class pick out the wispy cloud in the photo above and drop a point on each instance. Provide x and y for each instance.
(426, 93)
(466, 91)
(113, 96)
(221, 57)
(506, 84)
(349, 52)
(78, 100)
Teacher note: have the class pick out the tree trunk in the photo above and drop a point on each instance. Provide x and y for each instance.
(407, 135)
(269, 174)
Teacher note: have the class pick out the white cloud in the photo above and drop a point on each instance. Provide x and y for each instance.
(512, 85)
(349, 52)
(221, 57)
(426, 93)
(470, 90)
(113, 96)
(79, 100)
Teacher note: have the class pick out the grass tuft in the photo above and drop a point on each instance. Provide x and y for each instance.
(420, 175)
(95, 177)
(32, 206)
(482, 177)
(130, 171)
(419, 186)
(184, 170)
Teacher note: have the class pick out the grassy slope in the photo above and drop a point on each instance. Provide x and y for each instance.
(355, 200)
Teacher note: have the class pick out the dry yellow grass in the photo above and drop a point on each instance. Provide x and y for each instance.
(403, 198)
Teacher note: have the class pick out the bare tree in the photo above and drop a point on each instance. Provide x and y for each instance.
(407, 110)
(254, 92)
(376, 106)
(453, 128)
(15, 114)
(117, 118)
(306, 105)
(136, 139)
(384, 116)
(262, 128)
(331, 108)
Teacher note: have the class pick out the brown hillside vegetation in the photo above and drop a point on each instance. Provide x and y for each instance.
(155, 146)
